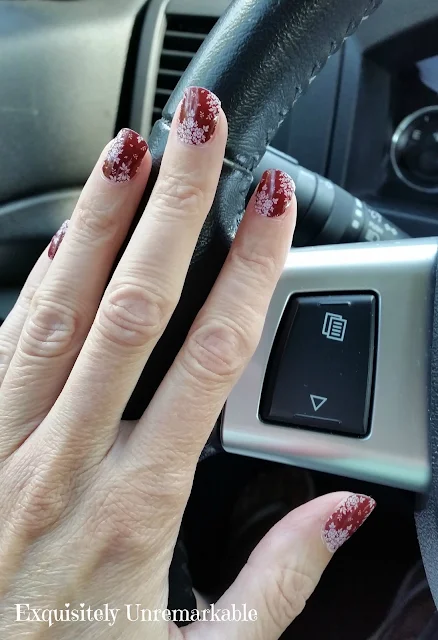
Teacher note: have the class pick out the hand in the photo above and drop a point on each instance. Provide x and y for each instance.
(90, 507)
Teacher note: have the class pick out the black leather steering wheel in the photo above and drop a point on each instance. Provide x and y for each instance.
(259, 59)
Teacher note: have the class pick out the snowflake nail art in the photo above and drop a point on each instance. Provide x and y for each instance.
(274, 193)
(57, 239)
(346, 520)
(198, 116)
(124, 156)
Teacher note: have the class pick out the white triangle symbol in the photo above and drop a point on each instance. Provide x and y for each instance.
(317, 401)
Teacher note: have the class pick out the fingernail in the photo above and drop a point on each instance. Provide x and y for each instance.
(274, 193)
(124, 156)
(346, 520)
(198, 116)
(57, 239)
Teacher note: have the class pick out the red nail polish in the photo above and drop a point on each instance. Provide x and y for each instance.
(198, 116)
(57, 239)
(274, 193)
(124, 156)
(346, 520)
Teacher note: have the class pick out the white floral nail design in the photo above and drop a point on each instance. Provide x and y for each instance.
(348, 517)
(124, 156)
(274, 193)
(198, 116)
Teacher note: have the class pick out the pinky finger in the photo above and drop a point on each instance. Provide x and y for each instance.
(11, 328)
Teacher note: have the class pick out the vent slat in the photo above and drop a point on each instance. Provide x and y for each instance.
(189, 45)
(174, 52)
(164, 92)
(189, 34)
(183, 37)
(175, 61)
(170, 72)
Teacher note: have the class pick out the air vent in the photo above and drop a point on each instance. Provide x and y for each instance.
(184, 35)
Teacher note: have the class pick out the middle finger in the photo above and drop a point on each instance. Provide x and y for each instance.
(147, 283)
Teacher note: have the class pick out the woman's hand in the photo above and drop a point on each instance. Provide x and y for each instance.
(90, 507)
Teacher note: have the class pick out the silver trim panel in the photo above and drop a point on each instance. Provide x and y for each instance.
(402, 274)
(149, 53)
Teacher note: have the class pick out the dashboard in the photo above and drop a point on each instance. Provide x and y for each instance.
(369, 121)
(414, 144)
(405, 149)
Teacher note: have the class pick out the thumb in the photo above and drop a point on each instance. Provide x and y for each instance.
(285, 568)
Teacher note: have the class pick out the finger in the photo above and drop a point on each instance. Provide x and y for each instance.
(224, 335)
(65, 304)
(12, 326)
(147, 283)
(284, 569)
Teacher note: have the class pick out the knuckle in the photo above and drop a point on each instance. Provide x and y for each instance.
(6, 353)
(258, 265)
(97, 218)
(170, 493)
(51, 327)
(27, 295)
(131, 514)
(43, 500)
(173, 192)
(287, 596)
(217, 351)
(134, 315)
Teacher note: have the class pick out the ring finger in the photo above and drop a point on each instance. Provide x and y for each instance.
(65, 304)
(12, 326)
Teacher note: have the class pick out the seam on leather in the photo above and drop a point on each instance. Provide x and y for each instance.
(243, 190)
(353, 25)
(236, 166)
(335, 45)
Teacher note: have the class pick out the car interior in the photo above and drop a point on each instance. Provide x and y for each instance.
(342, 391)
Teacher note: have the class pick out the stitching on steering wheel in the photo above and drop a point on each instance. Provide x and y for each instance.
(317, 66)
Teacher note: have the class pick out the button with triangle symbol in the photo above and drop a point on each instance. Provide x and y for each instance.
(317, 402)
(319, 384)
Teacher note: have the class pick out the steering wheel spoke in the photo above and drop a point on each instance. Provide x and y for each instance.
(313, 421)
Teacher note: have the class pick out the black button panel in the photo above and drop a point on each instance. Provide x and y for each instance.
(321, 369)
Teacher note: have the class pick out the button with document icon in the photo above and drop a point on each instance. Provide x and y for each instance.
(334, 327)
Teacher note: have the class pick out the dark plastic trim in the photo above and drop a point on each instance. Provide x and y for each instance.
(26, 227)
